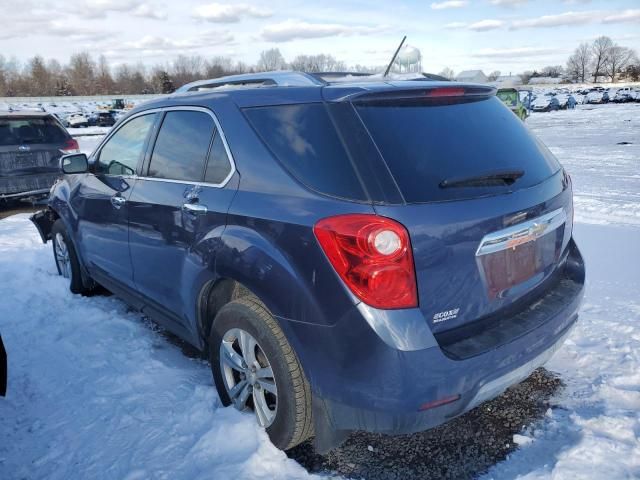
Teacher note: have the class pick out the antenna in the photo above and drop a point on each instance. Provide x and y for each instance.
(393, 59)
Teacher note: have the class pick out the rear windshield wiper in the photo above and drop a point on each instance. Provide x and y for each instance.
(492, 179)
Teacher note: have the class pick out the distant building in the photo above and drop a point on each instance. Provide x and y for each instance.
(508, 81)
(472, 76)
(544, 80)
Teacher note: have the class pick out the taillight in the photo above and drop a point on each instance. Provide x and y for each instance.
(446, 92)
(372, 255)
(70, 146)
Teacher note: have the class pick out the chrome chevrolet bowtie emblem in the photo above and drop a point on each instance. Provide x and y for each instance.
(511, 237)
(24, 148)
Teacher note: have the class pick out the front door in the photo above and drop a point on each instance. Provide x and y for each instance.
(183, 197)
(102, 197)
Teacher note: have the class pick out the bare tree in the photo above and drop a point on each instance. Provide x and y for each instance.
(578, 63)
(447, 73)
(161, 81)
(39, 80)
(187, 69)
(56, 73)
(270, 60)
(317, 63)
(123, 78)
(601, 49)
(104, 80)
(618, 59)
(526, 76)
(493, 76)
(553, 71)
(633, 72)
(81, 73)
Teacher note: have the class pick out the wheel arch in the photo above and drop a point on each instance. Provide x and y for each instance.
(215, 294)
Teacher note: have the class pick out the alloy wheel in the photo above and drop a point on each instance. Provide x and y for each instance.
(248, 376)
(63, 261)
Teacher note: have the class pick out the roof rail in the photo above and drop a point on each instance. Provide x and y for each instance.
(328, 76)
(279, 79)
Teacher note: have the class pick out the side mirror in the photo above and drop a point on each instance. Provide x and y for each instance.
(74, 163)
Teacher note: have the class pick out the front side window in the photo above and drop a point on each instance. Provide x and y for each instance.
(121, 153)
(182, 146)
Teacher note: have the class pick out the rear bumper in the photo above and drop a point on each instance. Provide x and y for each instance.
(23, 186)
(360, 382)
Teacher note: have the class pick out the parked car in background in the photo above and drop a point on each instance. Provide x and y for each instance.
(595, 97)
(62, 118)
(31, 145)
(101, 119)
(623, 95)
(511, 98)
(563, 100)
(337, 281)
(77, 120)
(545, 103)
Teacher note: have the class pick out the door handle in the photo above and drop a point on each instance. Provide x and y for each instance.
(194, 208)
(118, 201)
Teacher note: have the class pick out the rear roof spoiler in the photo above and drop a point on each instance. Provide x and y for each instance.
(406, 91)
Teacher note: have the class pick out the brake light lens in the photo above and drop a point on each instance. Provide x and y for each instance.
(372, 255)
(446, 92)
(70, 146)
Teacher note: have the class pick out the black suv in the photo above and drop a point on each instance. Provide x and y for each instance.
(31, 144)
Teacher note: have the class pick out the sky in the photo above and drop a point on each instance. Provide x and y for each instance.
(505, 35)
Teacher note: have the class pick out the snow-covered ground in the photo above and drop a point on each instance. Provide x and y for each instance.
(600, 147)
(97, 392)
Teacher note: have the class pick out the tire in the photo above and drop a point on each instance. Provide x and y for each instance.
(71, 270)
(292, 423)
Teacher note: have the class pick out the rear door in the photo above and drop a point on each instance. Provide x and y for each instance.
(100, 202)
(487, 206)
(178, 206)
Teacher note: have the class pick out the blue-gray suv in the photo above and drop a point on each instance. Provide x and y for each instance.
(355, 254)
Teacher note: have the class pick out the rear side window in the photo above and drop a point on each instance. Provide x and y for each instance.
(304, 139)
(182, 146)
(425, 142)
(219, 165)
(122, 152)
(22, 131)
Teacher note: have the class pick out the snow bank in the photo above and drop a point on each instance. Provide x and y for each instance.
(96, 392)
(599, 145)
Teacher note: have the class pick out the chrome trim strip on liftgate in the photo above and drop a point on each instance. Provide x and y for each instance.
(521, 233)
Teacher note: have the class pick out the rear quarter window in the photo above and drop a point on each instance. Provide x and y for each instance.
(304, 140)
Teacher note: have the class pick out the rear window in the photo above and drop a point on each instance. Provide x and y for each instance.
(304, 139)
(20, 131)
(425, 142)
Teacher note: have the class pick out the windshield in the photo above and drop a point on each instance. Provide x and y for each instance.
(425, 142)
